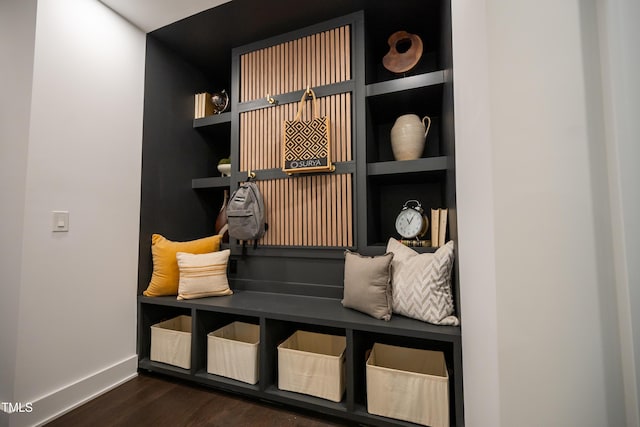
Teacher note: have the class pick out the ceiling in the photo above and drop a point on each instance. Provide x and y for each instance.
(204, 32)
(150, 15)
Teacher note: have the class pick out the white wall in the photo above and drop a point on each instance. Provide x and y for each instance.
(545, 210)
(619, 36)
(17, 34)
(550, 322)
(77, 311)
(476, 228)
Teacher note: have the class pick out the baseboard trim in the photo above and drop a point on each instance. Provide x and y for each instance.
(65, 399)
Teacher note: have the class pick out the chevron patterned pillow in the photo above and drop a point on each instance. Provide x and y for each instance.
(421, 283)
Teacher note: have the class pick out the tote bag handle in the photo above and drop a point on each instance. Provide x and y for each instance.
(314, 107)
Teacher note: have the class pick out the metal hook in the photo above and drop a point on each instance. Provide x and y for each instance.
(271, 100)
(308, 91)
(251, 175)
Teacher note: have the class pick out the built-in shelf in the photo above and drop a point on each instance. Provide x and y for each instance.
(304, 309)
(380, 248)
(212, 120)
(211, 182)
(225, 382)
(264, 174)
(280, 315)
(275, 393)
(376, 420)
(429, 164)
(406, 83)
(150, 365)
(289, 288)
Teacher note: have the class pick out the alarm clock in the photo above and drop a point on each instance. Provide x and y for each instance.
(411, 222)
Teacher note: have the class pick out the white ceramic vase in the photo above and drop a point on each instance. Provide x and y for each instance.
(408, 136)
(225, 169)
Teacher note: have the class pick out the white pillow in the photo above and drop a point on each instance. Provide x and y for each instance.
(421, 283)
(203, 275)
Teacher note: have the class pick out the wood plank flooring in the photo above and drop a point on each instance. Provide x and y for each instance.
(158, 401)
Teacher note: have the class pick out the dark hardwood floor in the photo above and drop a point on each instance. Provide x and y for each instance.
(153, 400)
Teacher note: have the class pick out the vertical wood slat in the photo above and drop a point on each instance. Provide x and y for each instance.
(329, 58)
(264, 189)
(246, 80)
(317, 59)
(271, 65)
(254, 77)
(284, 205)
(325, 232)
(243, 77)
(343, 129)
(341, 55)
(347, 51)
(334, 57)
(260, 75)
(303, 62)
(323, 59)
(300, 211)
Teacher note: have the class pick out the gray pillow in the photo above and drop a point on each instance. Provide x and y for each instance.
(367, 284)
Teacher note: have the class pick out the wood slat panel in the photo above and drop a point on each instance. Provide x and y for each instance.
(314, 60)
(301, 210)
(308, 211)
(261, 131)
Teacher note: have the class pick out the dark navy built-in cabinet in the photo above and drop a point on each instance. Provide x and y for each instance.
(285, 284)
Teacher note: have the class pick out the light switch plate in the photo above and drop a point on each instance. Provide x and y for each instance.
(60, 221)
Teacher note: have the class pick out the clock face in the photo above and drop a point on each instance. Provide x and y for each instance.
(409, 223)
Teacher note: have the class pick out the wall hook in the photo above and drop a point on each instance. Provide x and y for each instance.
(271, 100)
(251, 175)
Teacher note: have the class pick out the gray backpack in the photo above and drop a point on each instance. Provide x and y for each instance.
(245, 214)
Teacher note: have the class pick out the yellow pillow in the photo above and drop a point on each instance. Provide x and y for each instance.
(164, 280)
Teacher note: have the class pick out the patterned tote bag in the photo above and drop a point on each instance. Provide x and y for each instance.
(306, 145)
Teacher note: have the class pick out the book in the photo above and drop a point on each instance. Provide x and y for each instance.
(195, 106)
(435, 227)
(209, 109)
(416, 243)
(203, 105)
(443, 226)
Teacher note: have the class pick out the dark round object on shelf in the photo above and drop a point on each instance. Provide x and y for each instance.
(220, 101)
(404, 53)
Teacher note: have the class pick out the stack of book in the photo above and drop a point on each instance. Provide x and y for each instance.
(438, 227)
(203, 105)
(416, 243)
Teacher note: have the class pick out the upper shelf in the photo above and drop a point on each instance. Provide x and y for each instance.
(429, 164)
(406, 83)
(212, 120)
(211, 182)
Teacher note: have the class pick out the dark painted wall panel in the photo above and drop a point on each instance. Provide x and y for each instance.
(173, 154)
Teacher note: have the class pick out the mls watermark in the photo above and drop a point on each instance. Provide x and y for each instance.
(19, 407)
